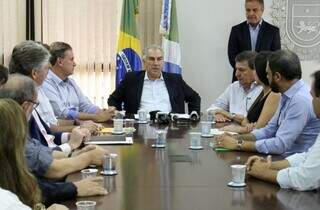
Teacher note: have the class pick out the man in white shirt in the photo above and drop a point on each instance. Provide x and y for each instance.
(299, 171)
(240, 95)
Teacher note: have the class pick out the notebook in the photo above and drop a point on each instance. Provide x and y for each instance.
(110, 139)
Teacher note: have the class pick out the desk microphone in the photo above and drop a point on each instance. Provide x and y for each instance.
(194, 116)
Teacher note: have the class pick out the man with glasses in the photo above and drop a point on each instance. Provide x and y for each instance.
(153, 89)
(237, 99)
(51, 165)
(294, 127)
(32, 59)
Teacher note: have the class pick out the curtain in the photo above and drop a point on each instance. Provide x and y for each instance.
(149, 21)
(12, 25)
(90, 27)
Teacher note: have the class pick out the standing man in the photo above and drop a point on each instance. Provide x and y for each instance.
(253, 34)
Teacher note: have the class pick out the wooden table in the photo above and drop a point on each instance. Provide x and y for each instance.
(177, 178)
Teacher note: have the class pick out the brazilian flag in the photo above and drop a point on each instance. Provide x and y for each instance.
(129, 49)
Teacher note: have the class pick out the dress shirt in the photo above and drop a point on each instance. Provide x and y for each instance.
(10, 201)
(39, 157)
(235, 99)
(155, 95)
(304, 170)
(65, 147)
(293, 128)
(254, 32)
(45, 109)
(66, 98)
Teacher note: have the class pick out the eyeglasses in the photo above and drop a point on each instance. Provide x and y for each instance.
(35, 104)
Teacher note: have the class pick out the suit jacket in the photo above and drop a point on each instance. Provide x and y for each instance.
(268, 40)
(54, 191)
(35, 133)
(130, 90)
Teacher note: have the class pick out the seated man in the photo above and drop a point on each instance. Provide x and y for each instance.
(240, 95)
(65, 96)
(32, 59)
(153, 89)
(299, 171)
(294, 127)
(264, 107)
(45, 163)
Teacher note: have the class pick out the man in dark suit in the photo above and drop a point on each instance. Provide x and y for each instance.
(153, 89)
(253, 34)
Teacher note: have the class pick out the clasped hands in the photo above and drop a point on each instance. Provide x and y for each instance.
(258, 165)
(227, 141)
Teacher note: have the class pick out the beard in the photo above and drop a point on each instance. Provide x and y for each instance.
(274, 87)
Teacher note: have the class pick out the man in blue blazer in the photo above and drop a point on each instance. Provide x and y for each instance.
(153, 89)
(253, 34)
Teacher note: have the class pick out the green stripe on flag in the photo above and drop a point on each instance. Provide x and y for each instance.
(130, 9)
(173, 34)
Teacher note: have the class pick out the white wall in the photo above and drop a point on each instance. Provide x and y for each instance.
(204, 27)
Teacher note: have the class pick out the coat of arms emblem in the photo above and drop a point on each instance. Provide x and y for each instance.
(299, 22)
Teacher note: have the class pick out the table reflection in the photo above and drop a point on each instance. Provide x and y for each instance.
(299, 200)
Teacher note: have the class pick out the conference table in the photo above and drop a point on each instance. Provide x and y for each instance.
(177, 178)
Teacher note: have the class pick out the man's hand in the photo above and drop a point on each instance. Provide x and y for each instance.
(226, 141)
(91, 126)
(251, 160)
(90, 187)
(250, 127)
(257, 165)
(105, 114)
(220, 118)
(96, 155)
(234, 128)
(261, 168)
(77, 136)
(83, 150)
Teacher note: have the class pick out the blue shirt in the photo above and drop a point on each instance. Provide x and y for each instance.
(66, 98)
(294, 127)
(39, 157)
(254, 32)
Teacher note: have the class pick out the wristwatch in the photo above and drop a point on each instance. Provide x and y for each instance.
(239, 143)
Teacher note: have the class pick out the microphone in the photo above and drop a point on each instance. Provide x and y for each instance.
(194, 116)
